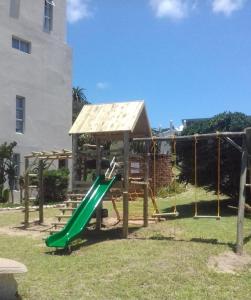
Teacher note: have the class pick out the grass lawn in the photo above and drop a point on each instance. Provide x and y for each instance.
(167, 260)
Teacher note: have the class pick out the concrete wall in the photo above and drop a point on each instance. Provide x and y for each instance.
(42, 77)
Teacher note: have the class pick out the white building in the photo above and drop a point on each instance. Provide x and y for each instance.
(35, 75)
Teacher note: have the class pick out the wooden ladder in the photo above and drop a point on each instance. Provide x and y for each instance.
(70, 206)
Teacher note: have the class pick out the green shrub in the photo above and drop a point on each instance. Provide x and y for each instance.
(171, 189)
(207, 153)
(55, 185)
(5, 195)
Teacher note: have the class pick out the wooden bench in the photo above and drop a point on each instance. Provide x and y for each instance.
(8, 284)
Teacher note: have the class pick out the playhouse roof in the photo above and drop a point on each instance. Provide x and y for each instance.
(113, 119)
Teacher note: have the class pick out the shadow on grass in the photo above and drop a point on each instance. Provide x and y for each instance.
(195, 240)
(91, 237)
(247, 239)
(205, 208)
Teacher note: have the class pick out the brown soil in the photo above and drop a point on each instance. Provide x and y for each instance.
(229, 262)
(34, 230)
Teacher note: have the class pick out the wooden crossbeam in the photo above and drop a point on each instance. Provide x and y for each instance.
(55, 154)
(191, 137)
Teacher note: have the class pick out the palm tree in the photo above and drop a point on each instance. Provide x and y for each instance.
(78, 101)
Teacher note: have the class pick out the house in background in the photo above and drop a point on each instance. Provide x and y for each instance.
(35, 76)
(166, 146)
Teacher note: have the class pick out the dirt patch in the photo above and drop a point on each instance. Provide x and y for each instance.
(229, 262)
(35, 231)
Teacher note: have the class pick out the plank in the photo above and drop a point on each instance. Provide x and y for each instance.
(126, 185)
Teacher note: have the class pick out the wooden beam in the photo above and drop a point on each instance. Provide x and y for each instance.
(146, 178)
(242, 198)
(26, 193)
(41, 191)
(248, 139)
(139, 182)
(74, 159)
(236, 146)
(98, 170)
(126, 185)
(191, 137)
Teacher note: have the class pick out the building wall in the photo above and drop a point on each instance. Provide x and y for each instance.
(163, 171)
(43, 77)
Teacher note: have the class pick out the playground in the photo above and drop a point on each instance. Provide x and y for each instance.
(168, 260)
(118, 237)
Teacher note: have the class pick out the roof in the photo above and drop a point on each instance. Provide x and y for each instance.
(113, 119)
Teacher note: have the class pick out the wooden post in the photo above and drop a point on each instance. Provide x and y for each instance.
(146, 179)
(26, 193)
(248, 136)
(98, 171)
(74, 159)
(41, 191)
(126, 185)
(242, 196)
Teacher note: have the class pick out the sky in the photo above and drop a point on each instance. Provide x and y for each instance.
(184, 58)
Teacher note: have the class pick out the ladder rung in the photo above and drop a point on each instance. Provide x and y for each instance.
(32, 198)
(59, 223)
(72, 201)
(33, 186)
(139, 182)
(75, 195)
(63, 216)
(32, 175)
(55, 230)
(248, 184)
(67, 208)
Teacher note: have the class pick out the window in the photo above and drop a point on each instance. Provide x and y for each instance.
(20, 114)
(48, 15)
(14, 8)
(16, 162)
(21, 45)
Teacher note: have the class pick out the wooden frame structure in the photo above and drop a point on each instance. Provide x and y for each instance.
(38, 159)
(115, 121)
(245, 150)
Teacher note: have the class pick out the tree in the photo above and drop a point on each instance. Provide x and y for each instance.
(7, 167)
(207, 153)
(78, 101)
(11, 175)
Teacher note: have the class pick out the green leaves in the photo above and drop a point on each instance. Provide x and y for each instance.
(226, 121)
(7, 167)
(207, 153)
(55, 184)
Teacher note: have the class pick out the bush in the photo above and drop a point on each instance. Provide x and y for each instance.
(55, 185)
(207, 153)
(5, 195)
(172, 189)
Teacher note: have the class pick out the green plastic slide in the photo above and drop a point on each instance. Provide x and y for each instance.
(82, 214)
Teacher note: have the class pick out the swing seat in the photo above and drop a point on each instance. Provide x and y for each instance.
(171, 214)
(206, 217)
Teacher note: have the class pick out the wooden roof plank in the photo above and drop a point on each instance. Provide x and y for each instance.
(112, 118)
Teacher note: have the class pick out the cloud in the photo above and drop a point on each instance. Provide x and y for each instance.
(102, 85)
(227, 7)
(173, 9)
(77, 10)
